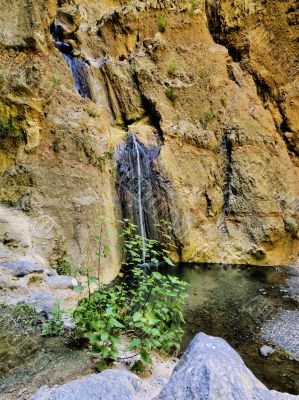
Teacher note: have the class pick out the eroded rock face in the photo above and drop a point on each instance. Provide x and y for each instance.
(215, 86)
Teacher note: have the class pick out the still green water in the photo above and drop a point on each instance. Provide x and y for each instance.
(235, 303)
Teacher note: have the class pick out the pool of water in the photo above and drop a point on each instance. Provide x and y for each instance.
(247, 306)
(236, 303)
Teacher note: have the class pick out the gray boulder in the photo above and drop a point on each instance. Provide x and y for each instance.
(41, 301)
(211, 370)
(109, 385)
(22, 268)
(62, 282)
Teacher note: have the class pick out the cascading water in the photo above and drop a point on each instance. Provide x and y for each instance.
(77, 67)
(140, 188)
(140, 208)
(78, 70)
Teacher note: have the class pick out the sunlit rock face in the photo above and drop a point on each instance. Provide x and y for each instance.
(213, 85)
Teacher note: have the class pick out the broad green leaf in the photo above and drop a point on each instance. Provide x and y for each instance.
(155, 260)
(102, 365)
(135, 343)
(114, 323)
(145, 357)
(168, 261)
(104, 336)
(106, 250)
(114, 339)
(104, 351)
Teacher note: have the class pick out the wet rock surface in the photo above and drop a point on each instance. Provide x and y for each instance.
(20, 336)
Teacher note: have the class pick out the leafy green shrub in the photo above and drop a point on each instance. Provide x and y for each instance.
(10, 130)
(63, 265)
(207, 117)
(172, 69)
(54, 326)
(136, 247)
(149, 312)
(146, 307)
(162, 23)
(170, 93)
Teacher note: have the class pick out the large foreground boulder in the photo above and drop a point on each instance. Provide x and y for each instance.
(211, 370)
(109, 385)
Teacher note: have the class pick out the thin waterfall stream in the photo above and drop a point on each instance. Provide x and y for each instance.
(140, 207)
(140, 192)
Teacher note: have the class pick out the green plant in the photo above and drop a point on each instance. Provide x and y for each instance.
(10, 130)
(172, 69)
(63, 265)
(162, 23)
(25, 315)
(146, 306)
(54, 326)
(56, 81)
(206, 118)
(194, 6)
(139, 249)
(170, 93)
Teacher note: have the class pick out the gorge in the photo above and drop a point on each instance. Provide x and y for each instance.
(180, 111)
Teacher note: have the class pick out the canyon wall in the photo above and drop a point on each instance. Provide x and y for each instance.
(212, 84)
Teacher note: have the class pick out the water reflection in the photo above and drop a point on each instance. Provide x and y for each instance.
(234, 302)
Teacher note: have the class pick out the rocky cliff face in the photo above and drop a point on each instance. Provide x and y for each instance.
(210, 83)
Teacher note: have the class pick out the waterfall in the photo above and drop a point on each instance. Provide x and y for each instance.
(140, 208)
(77, 67)
(142, 190)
